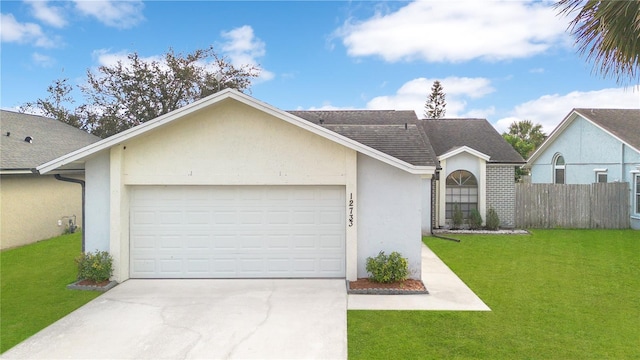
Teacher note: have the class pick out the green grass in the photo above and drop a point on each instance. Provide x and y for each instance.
(557, 294)
(33, 290)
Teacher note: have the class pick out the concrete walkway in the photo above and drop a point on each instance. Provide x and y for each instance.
(446, 292)
(201, 319)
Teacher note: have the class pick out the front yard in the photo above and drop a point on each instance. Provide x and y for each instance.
(557, 294)
(32, 291)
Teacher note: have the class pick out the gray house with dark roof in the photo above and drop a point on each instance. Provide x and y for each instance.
(593, 145)
(32, 205)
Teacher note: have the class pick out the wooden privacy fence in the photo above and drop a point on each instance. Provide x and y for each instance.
(592, 206)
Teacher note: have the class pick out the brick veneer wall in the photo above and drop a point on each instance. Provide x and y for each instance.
(501, 193)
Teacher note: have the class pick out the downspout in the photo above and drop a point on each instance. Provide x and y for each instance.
(82, 184)
(434, 206)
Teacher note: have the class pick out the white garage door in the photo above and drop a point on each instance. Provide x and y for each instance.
(237, 231)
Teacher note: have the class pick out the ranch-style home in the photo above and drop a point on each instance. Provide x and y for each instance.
(592, 146)
(35, 207)
(231, 187)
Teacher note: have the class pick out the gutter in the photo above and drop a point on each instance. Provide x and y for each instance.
(82, 184)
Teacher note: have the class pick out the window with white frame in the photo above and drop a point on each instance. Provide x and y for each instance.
(559, 176)
(601, 175)
(461, 191)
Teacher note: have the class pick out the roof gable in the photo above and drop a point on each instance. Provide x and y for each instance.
(621, 124)
(50, 139)
(464, 149)
(230, 95)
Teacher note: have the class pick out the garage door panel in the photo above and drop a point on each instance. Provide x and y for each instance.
(237, 231)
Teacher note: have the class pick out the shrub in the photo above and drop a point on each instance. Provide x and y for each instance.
(493, 221)
(457, 217)
(475, 220)
(96, 266)
(387, 269)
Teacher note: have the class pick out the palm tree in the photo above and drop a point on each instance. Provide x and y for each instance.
(608, 32)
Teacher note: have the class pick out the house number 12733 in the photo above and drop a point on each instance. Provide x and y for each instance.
(350, 218)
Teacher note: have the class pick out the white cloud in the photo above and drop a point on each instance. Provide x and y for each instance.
(117, 14)
(413, 95)
(43, 60)
(455, 31)
(51, 15)
(13, 31)
(242, 48)
(549, 110)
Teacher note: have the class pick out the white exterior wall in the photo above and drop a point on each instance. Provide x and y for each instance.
(97, 203)
(426, 206)
(228, 143)
(389, 216)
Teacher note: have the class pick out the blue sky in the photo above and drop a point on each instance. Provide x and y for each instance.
(499, 60)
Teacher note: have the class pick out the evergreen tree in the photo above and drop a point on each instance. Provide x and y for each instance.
(436, 104)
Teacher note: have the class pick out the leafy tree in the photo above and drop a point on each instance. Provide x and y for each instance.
(608, 32)
(525, 137)
(435, 108)
(129, 93)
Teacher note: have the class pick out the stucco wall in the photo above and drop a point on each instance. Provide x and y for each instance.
(585, 148)
(388, 213)
(30, 207)
(233, 144)
(97, 203)
(501, 193)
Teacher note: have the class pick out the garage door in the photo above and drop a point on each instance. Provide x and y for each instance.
(237, 231)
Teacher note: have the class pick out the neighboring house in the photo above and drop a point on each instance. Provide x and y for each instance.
(35, 207)
(231, 187)
(593, 145)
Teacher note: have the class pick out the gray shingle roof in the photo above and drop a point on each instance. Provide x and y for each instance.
(623, 123)
(437, 136)
(405, 144)
(51, 139)
(383, 130)
(478, 134)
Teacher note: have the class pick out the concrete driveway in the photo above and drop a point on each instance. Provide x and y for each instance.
(201, 319)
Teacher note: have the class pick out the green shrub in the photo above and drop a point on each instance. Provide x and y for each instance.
(387, 269)
(96, 266)
(457, 217)
(475, 220)
(493, 221)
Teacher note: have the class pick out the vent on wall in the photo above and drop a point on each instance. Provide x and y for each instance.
(28, 139)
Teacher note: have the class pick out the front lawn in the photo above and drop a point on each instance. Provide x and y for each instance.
(557, 294)
(32, 292)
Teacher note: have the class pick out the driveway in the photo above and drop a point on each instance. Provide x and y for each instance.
(196, 319)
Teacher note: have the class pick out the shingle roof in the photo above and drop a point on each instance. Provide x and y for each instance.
(623, 123)
(51, 139)
(478, 134)
(437, 136)
(406, 144)
(383, 130)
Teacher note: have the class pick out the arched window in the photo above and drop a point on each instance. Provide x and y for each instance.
(462, 189)
(559, 169)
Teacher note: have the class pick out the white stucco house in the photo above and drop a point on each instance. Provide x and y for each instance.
(593, 145)
(231, 187)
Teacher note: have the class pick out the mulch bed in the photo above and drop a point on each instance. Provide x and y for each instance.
(368, 287)
(92, 285)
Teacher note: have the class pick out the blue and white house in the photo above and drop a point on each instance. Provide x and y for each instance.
(593, 145)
